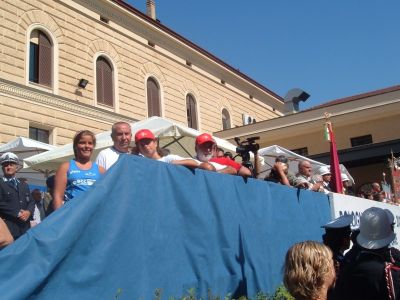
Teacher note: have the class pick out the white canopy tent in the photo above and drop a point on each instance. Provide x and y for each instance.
(177, 138)
(270, 153)
(24, 148)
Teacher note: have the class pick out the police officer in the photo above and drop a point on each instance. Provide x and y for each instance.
(16, 204)
(337, 238)
(374, 273)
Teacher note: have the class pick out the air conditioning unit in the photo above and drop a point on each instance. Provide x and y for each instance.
(247, 119)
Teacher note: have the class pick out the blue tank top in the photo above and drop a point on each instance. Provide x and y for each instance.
(78, 180)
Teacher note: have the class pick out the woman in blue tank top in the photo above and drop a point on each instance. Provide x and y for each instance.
(79, 174)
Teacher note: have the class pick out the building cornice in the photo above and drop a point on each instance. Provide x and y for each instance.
(31, 95)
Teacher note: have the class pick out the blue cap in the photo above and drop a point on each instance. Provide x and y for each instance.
(339, 223)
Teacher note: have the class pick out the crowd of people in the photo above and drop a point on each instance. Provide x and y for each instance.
(320, 181)
(369, 270)
(23, 209)
(376, 193)
(304, 178)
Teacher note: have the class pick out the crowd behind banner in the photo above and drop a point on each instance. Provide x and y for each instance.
(147, 225)
(21, 209)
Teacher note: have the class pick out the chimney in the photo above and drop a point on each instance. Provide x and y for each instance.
(151, 9)
(292, 99)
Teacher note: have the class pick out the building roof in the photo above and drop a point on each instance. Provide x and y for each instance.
(182, 39)
(368, 106)
(356, 97)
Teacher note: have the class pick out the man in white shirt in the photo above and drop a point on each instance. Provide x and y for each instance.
(121, 134)
(147, 146)
(304, 177)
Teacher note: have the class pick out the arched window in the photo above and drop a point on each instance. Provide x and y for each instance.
(40, 58)
(104, 82)
(153, 98)
(226, 119)
(191, 111)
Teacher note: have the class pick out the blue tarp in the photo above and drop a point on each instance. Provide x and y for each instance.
(148, 225)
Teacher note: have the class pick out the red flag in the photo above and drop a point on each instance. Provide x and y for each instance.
(336, 180)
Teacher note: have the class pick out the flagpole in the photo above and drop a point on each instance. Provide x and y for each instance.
(336, 179)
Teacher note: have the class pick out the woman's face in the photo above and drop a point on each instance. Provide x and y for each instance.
(84, 148)
(148, 148)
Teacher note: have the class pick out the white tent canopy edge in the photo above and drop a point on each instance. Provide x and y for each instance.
(179, 139)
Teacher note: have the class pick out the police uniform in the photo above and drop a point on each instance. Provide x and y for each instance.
(373, 273)
(335, 232)
(13, 198)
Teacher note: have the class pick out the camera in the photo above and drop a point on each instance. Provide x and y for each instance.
(245, 147)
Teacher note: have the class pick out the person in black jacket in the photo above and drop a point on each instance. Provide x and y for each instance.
(373, 273)
(16, 203)
(337, 238)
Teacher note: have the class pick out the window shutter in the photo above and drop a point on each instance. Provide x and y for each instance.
(153, 98)
(33, 62)
(104, 84)
(108, 85)
(99, 81)
(191, 111)
(45, 60)
(226, 119)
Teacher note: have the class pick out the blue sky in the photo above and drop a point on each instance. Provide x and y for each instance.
(331, 49)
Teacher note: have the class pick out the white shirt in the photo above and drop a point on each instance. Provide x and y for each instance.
(170, 157)
(217, 166)
(36, 215)
(108, 157)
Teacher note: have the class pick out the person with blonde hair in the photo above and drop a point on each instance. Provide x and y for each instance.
(76, 176)
(309, 271)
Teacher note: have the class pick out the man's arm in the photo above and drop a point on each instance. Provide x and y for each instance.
(7, 206)
(190, 163)
(244, 171)
(231, 167)
(25, 214)
(228, 170)
(207, 166)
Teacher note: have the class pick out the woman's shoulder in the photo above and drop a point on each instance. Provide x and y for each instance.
(97, 167)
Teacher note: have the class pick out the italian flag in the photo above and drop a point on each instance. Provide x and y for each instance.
(328, 128)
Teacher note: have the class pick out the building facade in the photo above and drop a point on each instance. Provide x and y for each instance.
(68, 65)
(366, 128)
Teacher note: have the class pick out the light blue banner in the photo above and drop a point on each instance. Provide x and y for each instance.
(148, 225)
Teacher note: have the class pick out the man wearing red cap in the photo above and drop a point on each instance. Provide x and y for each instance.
(147, 146)
(206, 150)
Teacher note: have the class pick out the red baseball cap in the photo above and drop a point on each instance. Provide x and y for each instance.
(144, 134)
(204, 138)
